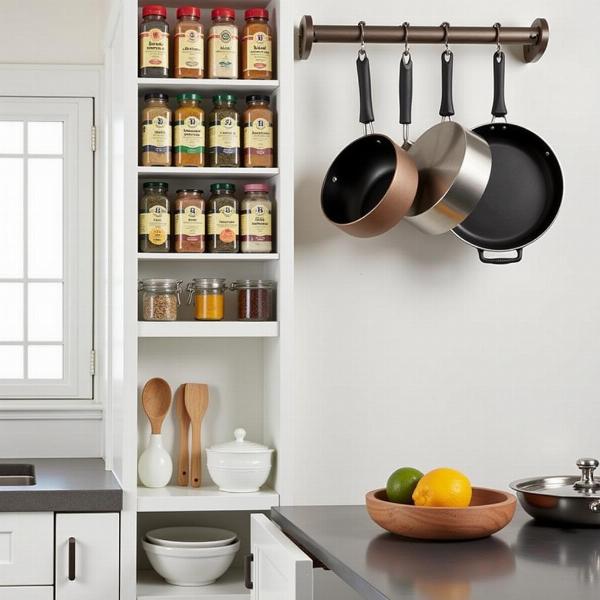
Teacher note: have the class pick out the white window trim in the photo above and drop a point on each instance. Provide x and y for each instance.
(77, 81)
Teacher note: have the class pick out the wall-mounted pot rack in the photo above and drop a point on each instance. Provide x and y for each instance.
(534, 39)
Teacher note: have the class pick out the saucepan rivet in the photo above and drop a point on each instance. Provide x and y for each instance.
(334, 179)
(547, 153)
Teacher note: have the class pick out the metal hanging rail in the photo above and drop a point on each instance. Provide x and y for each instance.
(534, 39)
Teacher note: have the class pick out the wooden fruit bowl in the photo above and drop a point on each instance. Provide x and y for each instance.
(489, 512)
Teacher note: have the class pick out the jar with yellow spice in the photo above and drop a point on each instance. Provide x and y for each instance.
(189, 43)
(258, 132)
(156, 131)
(208, 294)
(257, 62)
(189, 138)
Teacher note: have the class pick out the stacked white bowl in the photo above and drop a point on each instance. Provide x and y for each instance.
(190, 556)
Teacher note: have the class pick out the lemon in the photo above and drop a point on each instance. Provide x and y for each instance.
(401, 485)
(443, 487)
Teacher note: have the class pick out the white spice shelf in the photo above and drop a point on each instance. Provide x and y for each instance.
(207, 86)
(187, 499)
(209, 172)
(229, 587)
(199, 329)
(187, 256)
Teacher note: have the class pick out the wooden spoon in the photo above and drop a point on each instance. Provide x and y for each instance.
(183, 468)
(156, 400)
(196, 403)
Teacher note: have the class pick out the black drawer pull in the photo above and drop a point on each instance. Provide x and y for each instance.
(248, 571)
(71, 559)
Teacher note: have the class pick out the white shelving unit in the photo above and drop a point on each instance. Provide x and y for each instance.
(248, 366)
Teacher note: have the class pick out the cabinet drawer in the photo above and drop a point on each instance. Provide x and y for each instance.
(26, 549)
(27, 593)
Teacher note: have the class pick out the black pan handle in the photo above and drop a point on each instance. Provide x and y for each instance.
(447, 104)
(508, 260)
(406, 88)
(364, 89)
(71, 575)
(499, 106)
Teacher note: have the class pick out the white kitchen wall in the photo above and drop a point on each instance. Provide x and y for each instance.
(409, 350)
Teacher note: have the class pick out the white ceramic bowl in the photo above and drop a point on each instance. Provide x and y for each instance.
(191, 537)
(238, 480)
(190, 566)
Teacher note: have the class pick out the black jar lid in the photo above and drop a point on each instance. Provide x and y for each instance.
(156, 96)
(156, 184)
(189, 191)
(222, 186)
(258, 98)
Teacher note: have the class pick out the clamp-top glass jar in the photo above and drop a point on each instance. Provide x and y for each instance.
(160, 299)
(208, 294)
(255, 299)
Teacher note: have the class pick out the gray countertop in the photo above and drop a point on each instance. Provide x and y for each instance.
(524, 561)
(64, 485)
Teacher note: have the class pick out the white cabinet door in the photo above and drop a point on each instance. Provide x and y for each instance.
(32, 592)
(26, 548)
(87, 556)
(281, 571)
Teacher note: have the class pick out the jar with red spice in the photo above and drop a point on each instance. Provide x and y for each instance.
(255, 299)
(257, 61)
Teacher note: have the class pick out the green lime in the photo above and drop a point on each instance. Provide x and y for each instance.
(401, 485)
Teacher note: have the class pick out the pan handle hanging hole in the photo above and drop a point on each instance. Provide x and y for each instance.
(547, 153)
(334, 179)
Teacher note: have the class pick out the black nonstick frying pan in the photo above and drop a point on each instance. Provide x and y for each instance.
(524, 193)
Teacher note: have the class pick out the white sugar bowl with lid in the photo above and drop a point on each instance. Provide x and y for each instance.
(239, 466)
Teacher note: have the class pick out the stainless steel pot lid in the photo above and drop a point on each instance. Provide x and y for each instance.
(564, 486)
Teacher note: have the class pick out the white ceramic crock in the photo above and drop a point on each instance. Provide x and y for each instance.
(239, 466)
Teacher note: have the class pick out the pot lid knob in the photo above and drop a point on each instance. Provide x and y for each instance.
(587, 467)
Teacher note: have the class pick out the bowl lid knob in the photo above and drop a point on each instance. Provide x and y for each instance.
(239, 434)
(587, 467)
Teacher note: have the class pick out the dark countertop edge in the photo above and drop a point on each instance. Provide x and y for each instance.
(316, 551)
(61, 501)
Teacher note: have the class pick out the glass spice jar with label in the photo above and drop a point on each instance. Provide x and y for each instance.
(156, 131)
(255, 299)
(223, 219)
(258, 132)
(189, 44)
(208, 294)
(190, 230)
(224, 145)
(154, 42)
(255, 219)
(223, 45)
(154, 218)
(160, 299)
(189, 135)
(257, 62)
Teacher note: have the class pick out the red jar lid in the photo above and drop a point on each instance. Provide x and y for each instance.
(188, 11)
(220, 12)
(256, 13)
(256, 187)
(154, 9)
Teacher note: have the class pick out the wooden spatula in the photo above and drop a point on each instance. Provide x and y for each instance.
(156, 400)
(196, 403)
(183, 463)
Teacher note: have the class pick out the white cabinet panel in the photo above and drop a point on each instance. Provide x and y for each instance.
(26, 548)
(281, 571)
(27, 593)
(87, 556)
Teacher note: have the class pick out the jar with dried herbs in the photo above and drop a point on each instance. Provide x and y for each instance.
(224, 132)
(208, 294)
(255, 219)
(154, 42)
(255, 299)
(156, 131)
(189, 44)
(223, 45)
(189, 138)
(190, 228)
(154, 218)
(258, 132)
(256, 45)
(160, 299)
(223, 219)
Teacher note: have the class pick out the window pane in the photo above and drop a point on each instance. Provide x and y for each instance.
(45, 137)
(11, 137)
(45, 217)
(11, 223)
(11, 362)
(45, 362)
(11, 315)
(45, 312)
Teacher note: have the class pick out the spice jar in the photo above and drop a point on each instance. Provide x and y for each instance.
(154, 218)
(154, 42)
(189, 221)
(256, 45)
(160, 299)
(209, 298)
(156, 131)
(223, 219)
(224, 132)
(258, 132)
(255, 219)
(223, 45)
(255, 299)
(189, 138)
(189, 44)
